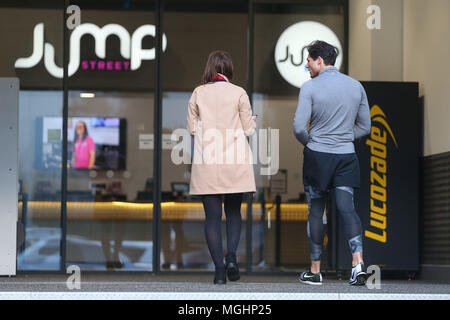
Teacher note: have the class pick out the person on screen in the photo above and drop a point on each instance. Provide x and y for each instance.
(84, 148)
(218, 106)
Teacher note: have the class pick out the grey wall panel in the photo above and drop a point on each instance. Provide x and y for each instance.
(436, 215)
(9, 106)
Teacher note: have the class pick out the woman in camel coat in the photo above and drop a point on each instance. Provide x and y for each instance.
(220, 118)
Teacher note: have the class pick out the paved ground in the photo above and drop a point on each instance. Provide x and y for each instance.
(192, 286)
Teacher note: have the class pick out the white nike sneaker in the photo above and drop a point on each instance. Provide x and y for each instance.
(359, 275)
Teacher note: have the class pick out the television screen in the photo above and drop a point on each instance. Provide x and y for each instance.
(93, 143)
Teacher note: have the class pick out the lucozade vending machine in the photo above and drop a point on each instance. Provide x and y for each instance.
(388, 201)
(9, 113)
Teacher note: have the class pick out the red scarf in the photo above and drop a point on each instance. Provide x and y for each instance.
(216, 78)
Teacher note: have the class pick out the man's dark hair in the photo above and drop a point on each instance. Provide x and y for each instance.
(322, 49)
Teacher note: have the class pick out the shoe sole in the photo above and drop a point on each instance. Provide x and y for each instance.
(311, 283)
(360, 279)
(233, 274)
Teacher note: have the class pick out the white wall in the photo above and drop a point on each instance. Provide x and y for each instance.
(412, 45)
(426, 60)
(360, 41)
(377, 54)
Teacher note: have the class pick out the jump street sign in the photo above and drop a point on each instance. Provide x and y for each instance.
(130, 49)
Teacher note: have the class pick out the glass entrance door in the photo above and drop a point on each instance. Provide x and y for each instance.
(280, 213)
(110, 139)
(193, 32)
(22, 31)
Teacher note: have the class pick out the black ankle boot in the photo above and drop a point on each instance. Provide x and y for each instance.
(232, 267)
(220, 276)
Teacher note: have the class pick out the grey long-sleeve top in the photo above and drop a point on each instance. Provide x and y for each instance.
(336, 107)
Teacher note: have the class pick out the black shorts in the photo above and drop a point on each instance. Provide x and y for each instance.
(324, 171)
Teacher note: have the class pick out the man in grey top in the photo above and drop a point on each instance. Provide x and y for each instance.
(336, 107)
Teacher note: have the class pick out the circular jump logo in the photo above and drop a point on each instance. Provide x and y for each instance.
(291, 53)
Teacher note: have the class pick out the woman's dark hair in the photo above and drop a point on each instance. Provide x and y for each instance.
(218, 62)
(322, 49)
(85, 134)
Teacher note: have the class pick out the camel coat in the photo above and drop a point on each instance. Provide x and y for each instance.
(220, 119)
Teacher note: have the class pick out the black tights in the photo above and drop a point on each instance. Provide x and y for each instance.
(212, 203)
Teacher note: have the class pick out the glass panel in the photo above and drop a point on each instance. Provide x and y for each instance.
(192, 36)
(110, 140)
(40, 143)
(281, 34)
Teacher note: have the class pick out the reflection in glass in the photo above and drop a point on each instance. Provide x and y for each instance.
(109, 202)
(183, 244)
(282, 246)
(39, 180)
